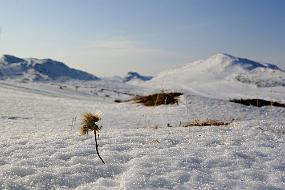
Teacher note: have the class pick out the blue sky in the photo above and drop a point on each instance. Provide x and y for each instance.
(112, 37)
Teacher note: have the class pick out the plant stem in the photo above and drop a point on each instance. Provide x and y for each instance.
(97, 148)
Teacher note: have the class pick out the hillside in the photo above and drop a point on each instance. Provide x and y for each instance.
(224, 76)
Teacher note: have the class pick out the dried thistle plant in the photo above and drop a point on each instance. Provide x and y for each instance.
(89, 124)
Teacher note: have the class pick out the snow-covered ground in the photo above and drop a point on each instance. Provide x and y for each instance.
(41, 147)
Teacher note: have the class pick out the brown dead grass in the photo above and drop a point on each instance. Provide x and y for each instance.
(257, 102)
(158, 99)
(207, 122)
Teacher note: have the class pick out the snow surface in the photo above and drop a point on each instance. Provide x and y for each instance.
(41, 147)
(225, 76)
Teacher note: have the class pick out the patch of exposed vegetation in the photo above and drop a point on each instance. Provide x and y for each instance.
(117, 101)
(257, 102)
(157, 99)
(207, 122)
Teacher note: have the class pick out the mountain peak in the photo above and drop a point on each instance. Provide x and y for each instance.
(9, 59)
(39, 70)
(221, 69)
(223, 55)
(228, 60)
(134, 75)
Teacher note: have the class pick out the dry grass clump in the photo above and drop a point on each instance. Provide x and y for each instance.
(207, 122)
(158, 99)
(89, 124)
(257, 102)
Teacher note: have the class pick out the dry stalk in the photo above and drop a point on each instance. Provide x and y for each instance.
(89, 124)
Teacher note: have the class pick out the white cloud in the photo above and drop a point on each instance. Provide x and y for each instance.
(126, 48)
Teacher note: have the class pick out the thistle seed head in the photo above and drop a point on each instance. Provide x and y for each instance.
(89, 122)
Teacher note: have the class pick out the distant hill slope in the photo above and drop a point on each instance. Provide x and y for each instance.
(33, 69)
(222, 75)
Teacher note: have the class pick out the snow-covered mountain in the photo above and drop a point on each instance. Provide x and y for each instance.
(136, 76)
(33, 69)
(222, 75)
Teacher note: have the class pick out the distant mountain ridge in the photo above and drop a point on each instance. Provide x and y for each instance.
(32, 69)
(136, 76)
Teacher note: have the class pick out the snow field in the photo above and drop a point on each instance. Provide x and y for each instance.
(41, 149)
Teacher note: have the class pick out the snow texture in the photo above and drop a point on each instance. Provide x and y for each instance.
(143, 147)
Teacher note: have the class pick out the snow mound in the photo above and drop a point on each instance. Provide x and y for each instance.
(32, 69)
